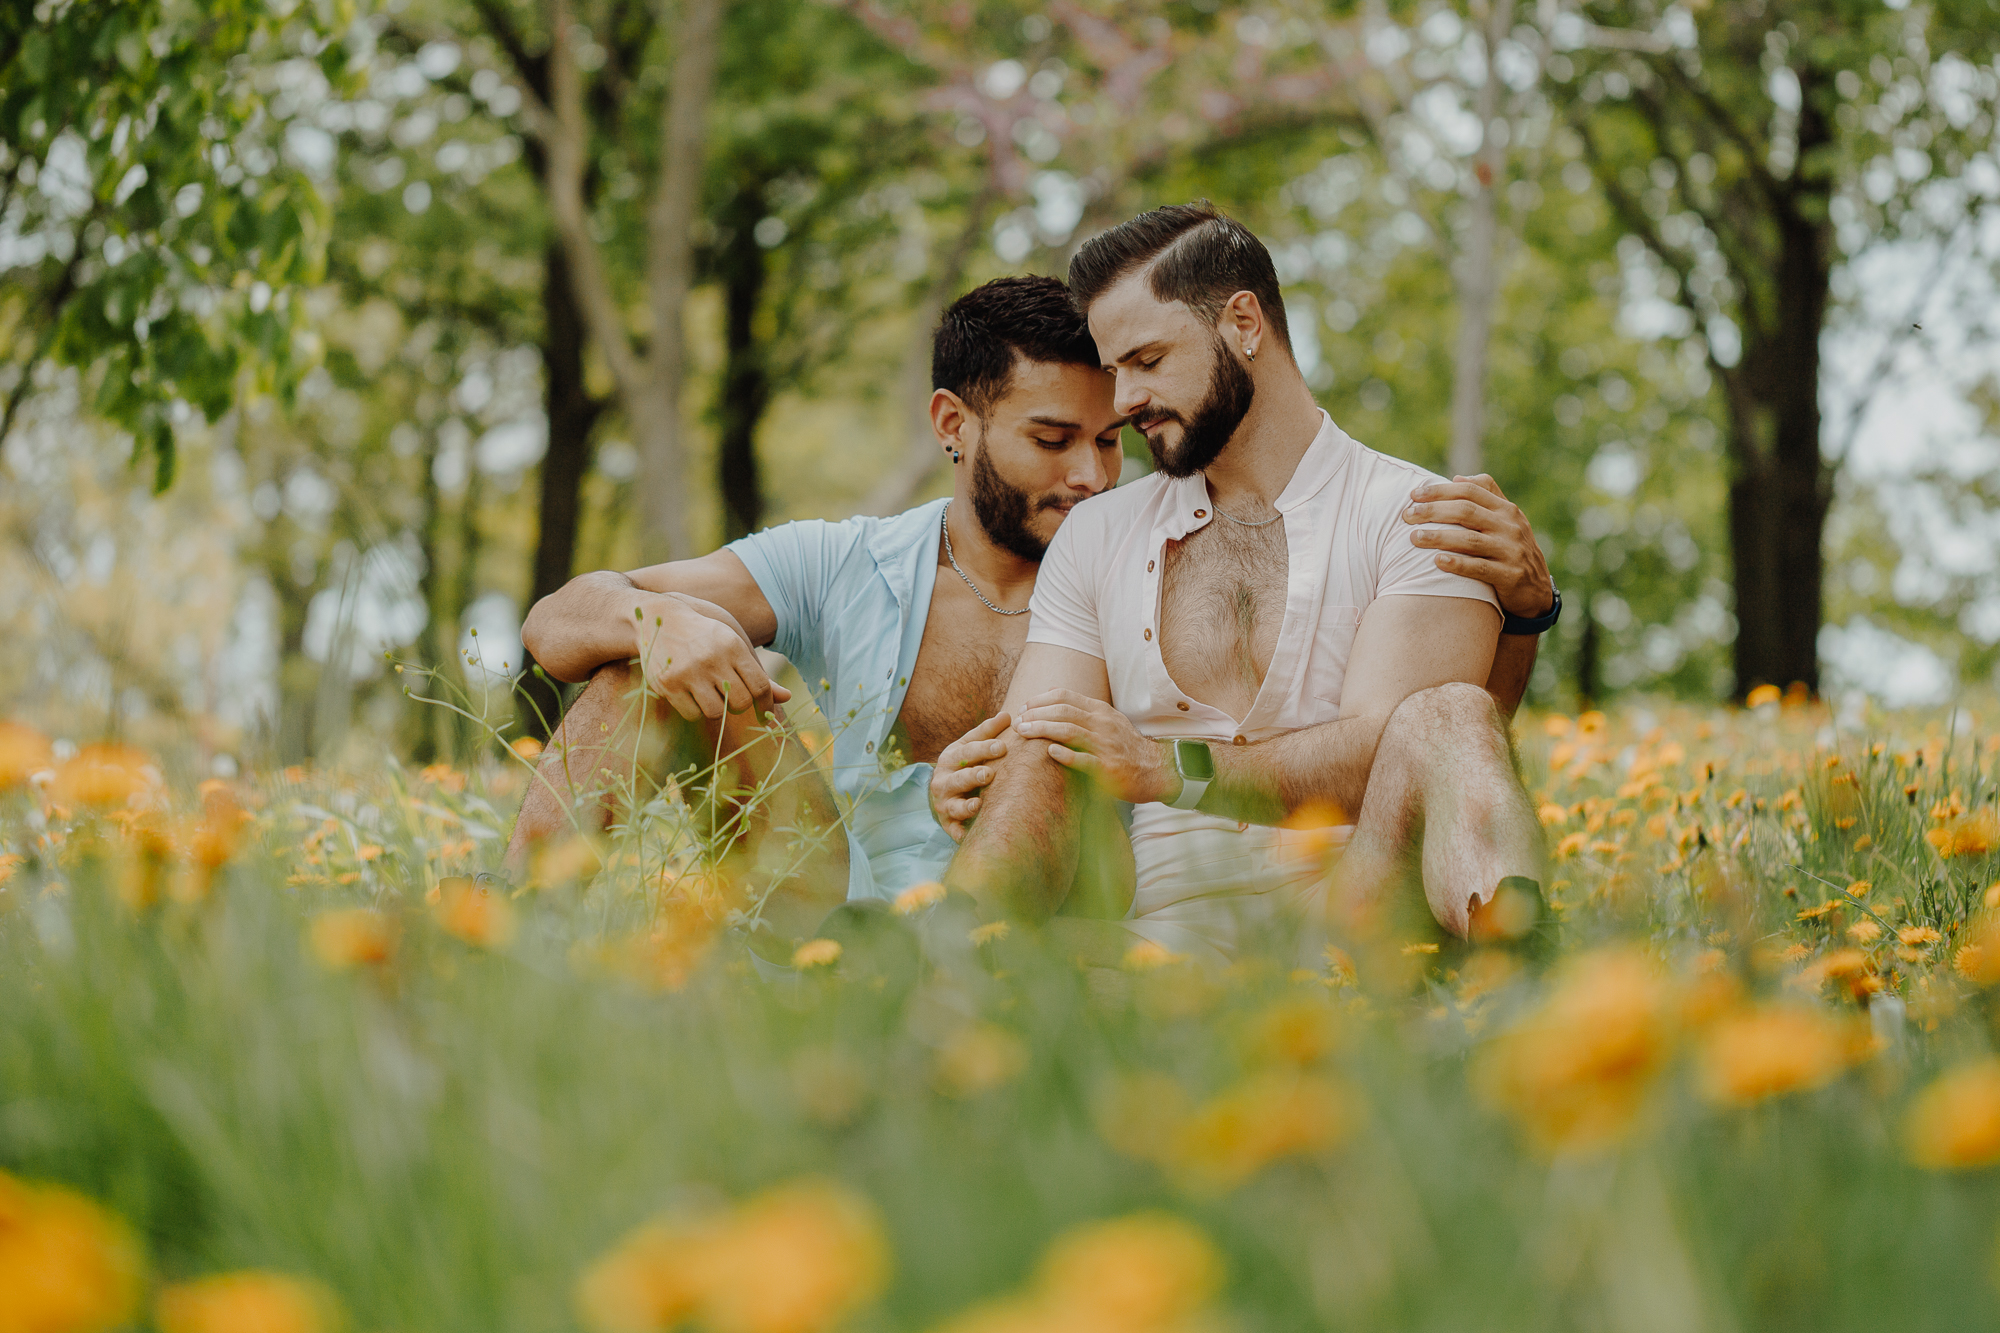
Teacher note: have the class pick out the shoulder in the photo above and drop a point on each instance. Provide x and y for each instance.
(1108, 514)
(1380, 484)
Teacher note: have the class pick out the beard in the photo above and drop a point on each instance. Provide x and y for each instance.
(1205, 434)
(1005, 511)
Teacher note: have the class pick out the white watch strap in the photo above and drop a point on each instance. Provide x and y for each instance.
(1190, 797)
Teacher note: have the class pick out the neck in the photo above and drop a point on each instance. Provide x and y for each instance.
(1258, 463)
(1002, 575)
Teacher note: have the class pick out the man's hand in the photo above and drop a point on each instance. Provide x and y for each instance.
(698, 659)
(1488, 539)
(960, 774)
(1092, 737)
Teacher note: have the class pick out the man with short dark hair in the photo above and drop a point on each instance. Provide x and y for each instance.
(1251, 636)
(906, 628)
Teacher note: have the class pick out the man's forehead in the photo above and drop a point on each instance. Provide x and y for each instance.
(1128, 314)
(1057, 394)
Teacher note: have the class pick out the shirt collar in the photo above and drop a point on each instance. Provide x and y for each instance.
(905, 549)
(1190, 508)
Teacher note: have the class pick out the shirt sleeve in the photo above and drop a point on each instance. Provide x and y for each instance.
(796, 566)
(1409, 570)
(1064, 607)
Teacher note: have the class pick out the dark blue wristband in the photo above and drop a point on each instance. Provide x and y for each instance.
(1539, 624)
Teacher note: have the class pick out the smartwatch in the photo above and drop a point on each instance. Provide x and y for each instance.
(1513, 624)
(1196, 766)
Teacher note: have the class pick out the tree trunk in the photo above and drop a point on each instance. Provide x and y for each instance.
(1478, 262)
(746, 385)
(669, 277)
(571, 414)
(1779, 497)
(1589, 658)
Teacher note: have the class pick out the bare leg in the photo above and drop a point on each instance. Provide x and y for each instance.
(1443, 786)
(616, 741)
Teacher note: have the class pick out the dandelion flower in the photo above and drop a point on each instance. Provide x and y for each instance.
(351, 937)
(1147, 955)
(1974, 835)
(474, 913)
(249, 1302)
(1264, 1118)
(919, 896)
(978, 1058)
(1763, 694)
(797, 1259)
(103, 776)
(1146, 1271)
(1918, 935)
(1954, 1123)
(23, 753)
(816, 953)
(990, 933)
(66, 1265)
(1770, 1051)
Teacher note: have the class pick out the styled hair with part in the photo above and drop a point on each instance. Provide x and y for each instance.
(1192, 253)
(983, 331)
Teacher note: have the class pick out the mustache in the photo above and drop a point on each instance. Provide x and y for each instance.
(1144, 423)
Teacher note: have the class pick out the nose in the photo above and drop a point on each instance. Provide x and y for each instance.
(1127, 396)
(1086, 471)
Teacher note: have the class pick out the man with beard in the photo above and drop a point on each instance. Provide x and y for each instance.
(1249, 638)
(906, 628)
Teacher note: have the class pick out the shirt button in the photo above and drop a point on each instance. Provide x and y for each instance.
(1243, 828)
(1201, 513)
(1182, 706)
(1149, 566)
(1238, 741)
(1149, 636)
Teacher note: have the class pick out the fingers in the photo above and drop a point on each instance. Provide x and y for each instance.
(682, 703)
(1486, 571)
(1079, 760)
(947, 786)
(960, 753)
(1067, 732)
(1462, 489)
(1462, 540)
(1465, 512)
(1485, 482)
(987, 730)
(1056, 713)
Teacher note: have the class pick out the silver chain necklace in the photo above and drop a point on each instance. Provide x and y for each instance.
(1262, 523)
(944, 522)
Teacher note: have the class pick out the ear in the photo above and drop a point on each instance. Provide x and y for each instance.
(951, 420)
(1243, 325)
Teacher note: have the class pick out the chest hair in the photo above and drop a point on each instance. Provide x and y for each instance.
(963, 668)
(1222, 595)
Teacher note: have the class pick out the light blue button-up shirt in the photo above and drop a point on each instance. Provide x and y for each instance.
(851, 600)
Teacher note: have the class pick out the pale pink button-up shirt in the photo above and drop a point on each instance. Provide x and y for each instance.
(1099, 593)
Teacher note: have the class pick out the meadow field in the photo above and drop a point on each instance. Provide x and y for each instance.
(271, 1059)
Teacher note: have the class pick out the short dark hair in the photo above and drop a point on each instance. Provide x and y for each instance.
(983, 331)
(1203, 259)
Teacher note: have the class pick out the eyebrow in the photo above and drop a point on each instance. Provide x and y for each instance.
(1055, 423)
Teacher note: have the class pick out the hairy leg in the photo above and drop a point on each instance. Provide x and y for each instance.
(1442, 792)
(616, 742)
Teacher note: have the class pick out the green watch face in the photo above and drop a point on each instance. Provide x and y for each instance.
(1194, 761)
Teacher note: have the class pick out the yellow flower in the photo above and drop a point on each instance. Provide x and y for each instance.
(1556, 725)
(989, 933)
(9, 863)
(1772, 1050)
(1974, 835)
(1553, 815)
(816, 953)
(1264, 1118)
(1954, 1124)
(1865, 931)
(245, 1303)
(527, 747)
(105, 776)
(1571, 845)
(980, 1057)
(474, 913)
(1299, 1030)
(1142, 1272)
(23, 752)
(1763, 694)
(1859, 888)
(919, 896)
(1918, 935)
(66, 1265)
(795, 1259)
(1576, 1073)
(352, 936)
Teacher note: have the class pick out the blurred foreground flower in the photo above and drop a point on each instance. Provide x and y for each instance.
(351, 937)
(249, 1302)
(979, 1057)
(23, 752)
(66, 1265)
(795, 1259)
(1974, 835)
(816, 953)
(1147, 1273)
(474, 912)
(1576, 1073)
(1773, 1050)
(104, 777)
(1955, 1122)
(1260, 1120)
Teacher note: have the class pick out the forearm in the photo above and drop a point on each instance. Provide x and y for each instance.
(1513, 664)
(1316, 771)
(1019, 856)
(603, 617)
